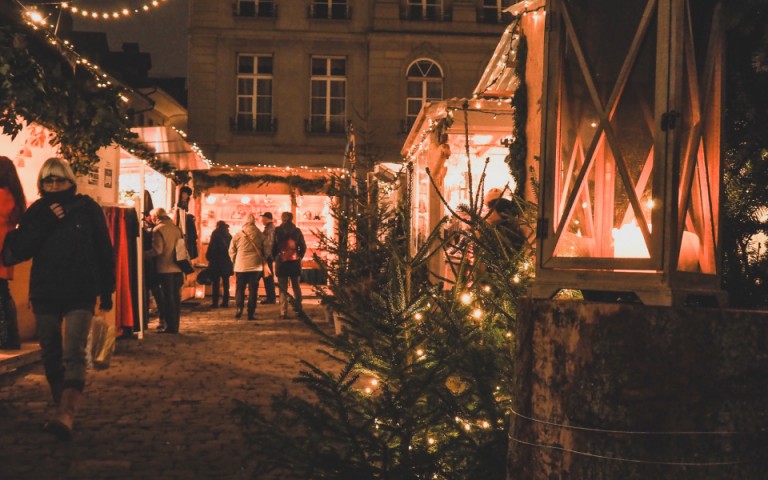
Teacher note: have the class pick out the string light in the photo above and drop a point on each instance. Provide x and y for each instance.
(112, 15)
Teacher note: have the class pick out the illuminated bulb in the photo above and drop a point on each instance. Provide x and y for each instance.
(487, 288)
(418, 316)
(368, 390)
(508, 335)
(245, 199)
(649, 203)
(374, 382)
(583, 204)
(485, 424)
(477, 313)
(516, 279)
(94, 15)
(420, 352)
(36, 17)
(210, 200)
(105, 15)
(466, 298)
(467, 427)
(126, 11)
(593, 124)
(431, 441)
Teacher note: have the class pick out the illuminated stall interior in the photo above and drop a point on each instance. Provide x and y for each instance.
(232, 200)
(439, 142)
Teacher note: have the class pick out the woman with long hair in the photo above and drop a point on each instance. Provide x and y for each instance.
(12, 207)
(65, 234)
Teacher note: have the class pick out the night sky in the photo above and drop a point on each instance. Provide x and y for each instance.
(162, 32)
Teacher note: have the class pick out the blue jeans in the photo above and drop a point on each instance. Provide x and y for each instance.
(63, 340)
(282, 283)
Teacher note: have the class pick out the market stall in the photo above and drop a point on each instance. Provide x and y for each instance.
(231, 193)
(462, 144)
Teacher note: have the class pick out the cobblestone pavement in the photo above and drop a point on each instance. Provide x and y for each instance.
(162, 409)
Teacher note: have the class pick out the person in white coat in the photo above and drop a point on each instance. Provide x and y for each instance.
(247, 253)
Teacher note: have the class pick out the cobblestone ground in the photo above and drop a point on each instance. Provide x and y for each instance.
(162, 409)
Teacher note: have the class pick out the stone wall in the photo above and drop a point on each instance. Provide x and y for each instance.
(597, 371)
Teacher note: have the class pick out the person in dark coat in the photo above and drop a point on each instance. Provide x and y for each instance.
(73, 264)
(288, 251)
(220, 266)
(504, 216)
(12, 207)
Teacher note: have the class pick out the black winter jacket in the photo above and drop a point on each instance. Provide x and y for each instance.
(217, 254)
(72, 257)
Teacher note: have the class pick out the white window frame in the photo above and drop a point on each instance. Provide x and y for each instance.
(425, 5)
(329, 80)
(425, 81)
(254, 101)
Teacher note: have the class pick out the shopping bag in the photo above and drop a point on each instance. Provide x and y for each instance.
(101, 342)
(181, 257)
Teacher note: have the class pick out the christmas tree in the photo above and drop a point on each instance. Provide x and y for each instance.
(424, 362)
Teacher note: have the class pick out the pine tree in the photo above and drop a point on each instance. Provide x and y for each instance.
(423, 366)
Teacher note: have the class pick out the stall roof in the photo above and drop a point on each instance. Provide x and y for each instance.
(499, 79)
(489, 123)
(170, 146)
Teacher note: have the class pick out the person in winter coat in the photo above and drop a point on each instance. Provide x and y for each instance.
(65, 234)
(12, 206)
(220, 266)
(288, 251)
(269, 241)
(170, 278)
(247, 253)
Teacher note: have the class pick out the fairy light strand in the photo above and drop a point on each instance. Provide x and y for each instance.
(114, 14)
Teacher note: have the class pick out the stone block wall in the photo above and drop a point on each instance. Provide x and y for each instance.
(620, 391)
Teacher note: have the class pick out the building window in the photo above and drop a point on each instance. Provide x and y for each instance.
(431, 10)
(332, 9)
(492, 11)
(255, 8)
(425, 84)
(328, 109)
(254, 93)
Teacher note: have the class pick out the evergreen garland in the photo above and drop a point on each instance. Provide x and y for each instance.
(518, 150)
(205, 181)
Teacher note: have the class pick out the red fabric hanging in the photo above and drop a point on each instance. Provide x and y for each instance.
(123, 303)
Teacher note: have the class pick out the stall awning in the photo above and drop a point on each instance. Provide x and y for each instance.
(170, 146)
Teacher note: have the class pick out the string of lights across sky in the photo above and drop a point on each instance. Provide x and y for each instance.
(110, 10)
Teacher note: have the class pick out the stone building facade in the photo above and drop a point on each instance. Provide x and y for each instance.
(275, 82)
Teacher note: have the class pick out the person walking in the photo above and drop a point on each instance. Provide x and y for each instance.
(170, 278)
(269, 241)
(247, 254)
(220, 265)
(12, 206)
(65, 234)
(288, 251)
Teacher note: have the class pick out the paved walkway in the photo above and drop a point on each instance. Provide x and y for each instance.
(162, 409)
